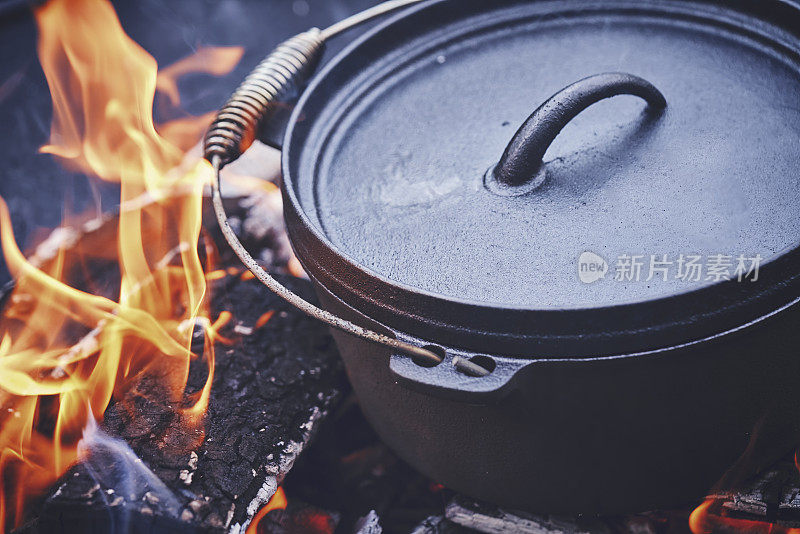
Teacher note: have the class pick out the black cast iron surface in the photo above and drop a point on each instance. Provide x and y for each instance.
(522, 161)
(414, 239)
(716, 174)
(614, 398)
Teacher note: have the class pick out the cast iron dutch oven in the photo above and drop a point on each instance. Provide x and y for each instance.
(428, 205)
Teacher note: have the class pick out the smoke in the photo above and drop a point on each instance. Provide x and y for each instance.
(124, 481)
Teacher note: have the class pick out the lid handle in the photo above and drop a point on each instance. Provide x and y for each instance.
(522, 160)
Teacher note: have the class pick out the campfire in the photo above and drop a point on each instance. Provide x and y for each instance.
(68, 350)
(150, 383)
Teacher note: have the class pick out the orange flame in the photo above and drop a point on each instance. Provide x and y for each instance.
(103, 86)
(216, 60)
(277, 502)
(308, 520)
(709, 519)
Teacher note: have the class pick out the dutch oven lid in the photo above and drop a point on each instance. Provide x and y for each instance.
(398, 169)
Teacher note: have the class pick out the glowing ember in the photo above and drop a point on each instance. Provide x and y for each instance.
(308, 520)
(710, 518)
(264, 319)
(103, 85)
(703, 520)
(277, 502)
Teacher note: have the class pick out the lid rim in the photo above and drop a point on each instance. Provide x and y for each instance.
(507, 329)
(547, 333)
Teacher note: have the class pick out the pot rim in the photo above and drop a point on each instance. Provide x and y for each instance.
(514, 330)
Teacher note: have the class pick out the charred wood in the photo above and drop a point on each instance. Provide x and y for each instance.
(369, 524)
(299, 518)
(146, 469)
(492, 520)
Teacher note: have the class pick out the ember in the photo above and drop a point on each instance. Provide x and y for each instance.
(277, 502)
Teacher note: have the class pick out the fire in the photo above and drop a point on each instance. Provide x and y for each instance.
(277, 502)
(51, 381)
(307, 519)
(705, 520)
(209, 59)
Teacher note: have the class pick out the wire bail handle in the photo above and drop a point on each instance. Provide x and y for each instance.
(283, 72)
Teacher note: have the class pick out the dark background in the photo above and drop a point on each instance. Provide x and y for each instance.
(37, 189)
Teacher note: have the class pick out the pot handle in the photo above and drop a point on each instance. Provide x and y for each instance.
(455, 379)
(281, 74)
(521, 163)
(278, 77)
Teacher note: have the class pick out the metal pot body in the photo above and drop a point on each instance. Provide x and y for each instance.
(618, 434)
(620, 407)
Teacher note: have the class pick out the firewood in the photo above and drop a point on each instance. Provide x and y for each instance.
(490, 520)
(273, 383)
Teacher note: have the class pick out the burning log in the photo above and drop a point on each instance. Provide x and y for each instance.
(276, 376)
(767, 502)
(205, 402)
(296, 518)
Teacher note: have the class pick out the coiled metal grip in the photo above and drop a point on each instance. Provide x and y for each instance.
(278, 77)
